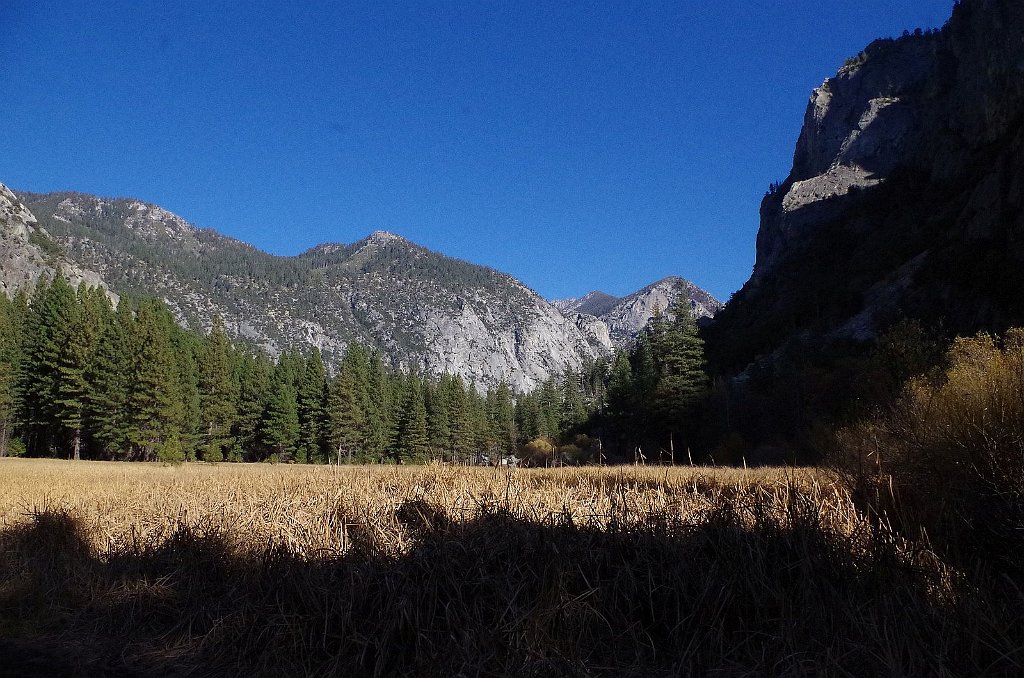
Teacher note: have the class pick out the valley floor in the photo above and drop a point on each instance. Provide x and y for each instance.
(308, 570)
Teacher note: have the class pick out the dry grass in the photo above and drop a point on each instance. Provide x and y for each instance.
(298, 506)
(284, 570)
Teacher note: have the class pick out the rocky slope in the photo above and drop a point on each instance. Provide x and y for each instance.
(905, 197)
(28, 252)
(421, 309)
(626, 316)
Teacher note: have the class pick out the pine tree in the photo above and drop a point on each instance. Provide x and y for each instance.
(347, 415)
(412, 428)
(218, 394)
(279, 431)
(254, 375)
(76, 354)
(619, 411)
(154, 400)
(107, 399)
(381, 420)
(12, 316)
(48, 326)
(501, 418)
(463, 435)
(572, 411)
(439, 416)
(682, 383)
(312, 409)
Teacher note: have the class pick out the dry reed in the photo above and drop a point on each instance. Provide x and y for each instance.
(296, 570)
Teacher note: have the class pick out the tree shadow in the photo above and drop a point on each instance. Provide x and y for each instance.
(743, 593)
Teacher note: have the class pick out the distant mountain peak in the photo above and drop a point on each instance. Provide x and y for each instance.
(383, 237)
(626, 316)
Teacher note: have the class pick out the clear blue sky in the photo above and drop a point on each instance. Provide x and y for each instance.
(577, 146)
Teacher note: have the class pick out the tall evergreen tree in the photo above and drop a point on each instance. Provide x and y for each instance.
(501, 418)
(280, 427)
(219, 394)
(682, 383)
(381, 419)
(412, 440)
(76, 354)
(154, 398)
(50, 321)
(254, 373)
(439, 416)
(347, 415)
(12, 318)
(108, 376)
(312, 409)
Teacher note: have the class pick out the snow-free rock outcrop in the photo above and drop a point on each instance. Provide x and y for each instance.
(422, 310)
(624, 317)
(28, 252)
(906, 196)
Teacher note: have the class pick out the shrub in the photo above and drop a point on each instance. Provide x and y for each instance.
(171, 451)
(947, 459)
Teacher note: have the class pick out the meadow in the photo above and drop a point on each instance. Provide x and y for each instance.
(230, 569)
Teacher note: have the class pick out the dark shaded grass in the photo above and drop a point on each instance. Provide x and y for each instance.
(747, 592)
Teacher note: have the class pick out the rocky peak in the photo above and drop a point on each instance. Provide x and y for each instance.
(28, 252)
(625, 317)
(593, 303)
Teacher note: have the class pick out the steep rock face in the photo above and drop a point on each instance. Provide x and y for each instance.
(421, 309)
(624, 317)
(28, 253)
(632, 313)
(905, 197)
(594, 303)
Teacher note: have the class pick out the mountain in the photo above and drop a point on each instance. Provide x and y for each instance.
(28, 252)
(626, 316)
(421, 309)
(905, 199)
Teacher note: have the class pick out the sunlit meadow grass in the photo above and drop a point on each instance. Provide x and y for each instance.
(440, 570)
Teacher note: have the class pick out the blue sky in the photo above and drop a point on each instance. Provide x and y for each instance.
(577, 146)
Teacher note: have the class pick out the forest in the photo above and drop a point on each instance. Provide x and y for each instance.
(82, 379)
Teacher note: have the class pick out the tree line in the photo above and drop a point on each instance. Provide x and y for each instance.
(80, 378)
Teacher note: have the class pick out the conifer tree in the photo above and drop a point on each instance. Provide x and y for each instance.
(254, 375)
(463, 435)
(412, 428)
(312, 409)
(439, 416)
(219, 394)
(620, 398)
(347, 415)
(572, 411)
(48, 326)
(501, 419)
(381, 421)
(108, 377)
(280, 427)
(76, 354)
(682, 382)
(154, 398)
(12, 315)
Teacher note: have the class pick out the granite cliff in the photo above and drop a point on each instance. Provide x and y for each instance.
(28, 252)
(905, 199)
(421, 309)
(626, 316)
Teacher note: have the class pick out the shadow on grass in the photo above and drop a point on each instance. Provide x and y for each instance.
(742, 594)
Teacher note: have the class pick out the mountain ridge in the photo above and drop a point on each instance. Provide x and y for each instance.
(422, 309)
